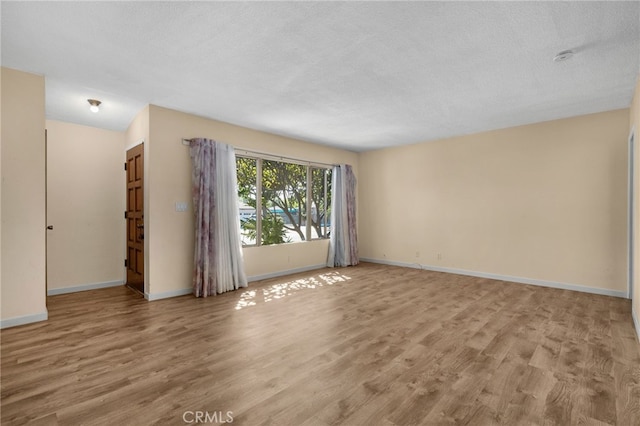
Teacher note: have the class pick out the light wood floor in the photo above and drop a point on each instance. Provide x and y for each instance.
(370, 345)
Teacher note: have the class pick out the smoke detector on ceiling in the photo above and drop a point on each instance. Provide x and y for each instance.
(563, 56)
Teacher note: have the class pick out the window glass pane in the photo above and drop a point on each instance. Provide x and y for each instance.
(246, 168)
(320, 202)
(283, 211)
(284, 198)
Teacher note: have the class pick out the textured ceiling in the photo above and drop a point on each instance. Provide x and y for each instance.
(358, 75)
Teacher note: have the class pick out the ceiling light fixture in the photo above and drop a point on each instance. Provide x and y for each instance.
(563, 56)
(95, 105)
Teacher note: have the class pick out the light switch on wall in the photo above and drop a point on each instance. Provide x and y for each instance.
(181, 207)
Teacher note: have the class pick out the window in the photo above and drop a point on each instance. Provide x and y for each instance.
(320, 202)
(247, 189)
(294, 202)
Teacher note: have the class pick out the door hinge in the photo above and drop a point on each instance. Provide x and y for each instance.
(125, 166)
(125, 214)
(126, 263)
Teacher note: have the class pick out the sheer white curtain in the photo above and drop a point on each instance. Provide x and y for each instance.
(218, 262)
(343, 245)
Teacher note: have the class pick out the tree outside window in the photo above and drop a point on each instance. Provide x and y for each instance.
(294, 201)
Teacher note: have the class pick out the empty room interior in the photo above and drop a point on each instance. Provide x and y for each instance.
(320, 213)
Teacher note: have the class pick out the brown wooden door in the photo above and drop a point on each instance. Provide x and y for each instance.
(135, 218)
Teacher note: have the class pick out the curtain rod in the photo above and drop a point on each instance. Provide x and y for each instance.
(187, 142)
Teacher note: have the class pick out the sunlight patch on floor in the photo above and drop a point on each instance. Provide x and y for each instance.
(280, 290)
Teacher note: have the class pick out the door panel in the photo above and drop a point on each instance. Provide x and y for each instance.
(135, 218)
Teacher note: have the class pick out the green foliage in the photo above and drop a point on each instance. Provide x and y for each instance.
(284, 186)
(246, 172)
(284, 192)
(319, 203)
(273, 231)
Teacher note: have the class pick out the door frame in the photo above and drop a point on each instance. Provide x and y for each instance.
(631, 213)
(46, 217)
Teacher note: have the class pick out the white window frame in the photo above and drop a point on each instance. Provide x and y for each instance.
(260, 157)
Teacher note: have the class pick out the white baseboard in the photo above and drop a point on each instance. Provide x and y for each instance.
(636, 322)
(84, 287)
(185, 291)
(286, 272)
(521, 280)
(25, 319)
(167, 294)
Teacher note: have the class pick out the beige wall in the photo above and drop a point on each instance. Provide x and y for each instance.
(170, 233)
(634, 123)
(23, 198)
(1, 193)
(543, 202)
(138, 130)
(85, 205)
